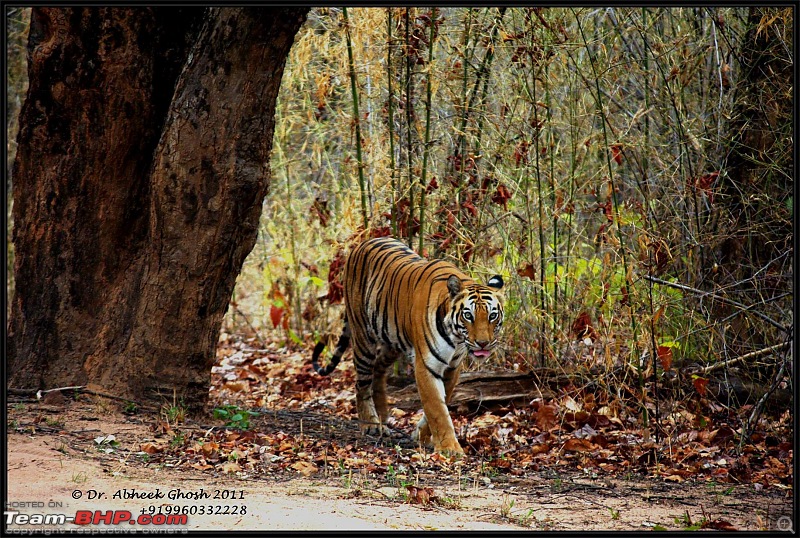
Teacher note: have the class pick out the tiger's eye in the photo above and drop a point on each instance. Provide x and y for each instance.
(468, 316)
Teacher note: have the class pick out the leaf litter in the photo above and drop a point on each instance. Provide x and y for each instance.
(307, 425)
(304, 425)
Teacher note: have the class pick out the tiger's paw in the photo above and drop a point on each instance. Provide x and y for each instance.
(375, 429)
(451, 449)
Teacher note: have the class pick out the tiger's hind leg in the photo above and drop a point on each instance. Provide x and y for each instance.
(386, 358)
(371, 391)
(368, 420)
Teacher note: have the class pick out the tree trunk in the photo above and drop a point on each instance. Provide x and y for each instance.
(759, 179)
(755, 196)
(138, 185)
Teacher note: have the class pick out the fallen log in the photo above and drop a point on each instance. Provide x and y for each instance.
(489, 390)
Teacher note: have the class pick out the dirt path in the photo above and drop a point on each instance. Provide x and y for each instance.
(58, 469)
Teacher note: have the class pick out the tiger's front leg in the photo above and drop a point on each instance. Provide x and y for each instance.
(436, 425)
(423, 431)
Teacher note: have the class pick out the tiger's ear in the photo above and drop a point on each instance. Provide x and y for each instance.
(495, 282)
(453, 285)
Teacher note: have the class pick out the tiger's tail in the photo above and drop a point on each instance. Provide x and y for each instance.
(341, 347)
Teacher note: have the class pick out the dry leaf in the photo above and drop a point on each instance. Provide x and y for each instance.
(417, 495)
(700, 385)
(306, 468)
(238, 386)
(665, 356)
(578, 445)
(150, 448)
(546, 417)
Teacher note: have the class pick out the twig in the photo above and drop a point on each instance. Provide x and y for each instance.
(378, 491)
(39, 393)
(756, 413)
(702, 293)
(752, 355)
(78, 388)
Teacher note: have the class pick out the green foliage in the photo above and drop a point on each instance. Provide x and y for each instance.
(686, 523)
(234, 416)
(175, 413)
(178, 439)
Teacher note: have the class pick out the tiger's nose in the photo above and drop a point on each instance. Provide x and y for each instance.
(483, 344)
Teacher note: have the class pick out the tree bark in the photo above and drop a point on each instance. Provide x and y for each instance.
(138, 185)
(759, 177)
(754, 243)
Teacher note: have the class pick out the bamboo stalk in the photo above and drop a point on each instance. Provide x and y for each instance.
(356, 119)
(426, 148)
(646, 194)
(485, 70)
(615, 203)
(464, 110)
(609, 168)
(409, 115)
(553, 200)
(540, 226)
(390, 107)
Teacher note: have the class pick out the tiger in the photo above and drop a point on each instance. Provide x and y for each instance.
(398, 304)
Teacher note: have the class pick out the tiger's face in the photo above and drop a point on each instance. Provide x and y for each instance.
(476, 315)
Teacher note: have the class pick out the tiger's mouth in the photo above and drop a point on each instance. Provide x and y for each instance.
(480, 353)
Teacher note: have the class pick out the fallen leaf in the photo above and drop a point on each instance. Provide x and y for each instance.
(540, 449)
(238, 386)
(546, 416)
(417, 495)
(306, 468)
(150, 448)
(209, 448)
(578, 445)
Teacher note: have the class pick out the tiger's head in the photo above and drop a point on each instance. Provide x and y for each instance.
(476, 314)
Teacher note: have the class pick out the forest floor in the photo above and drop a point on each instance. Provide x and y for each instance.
(300, 464)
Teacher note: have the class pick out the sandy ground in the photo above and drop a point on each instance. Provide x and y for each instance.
(61, 471)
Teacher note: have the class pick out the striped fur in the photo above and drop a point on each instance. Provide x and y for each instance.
(399, 304)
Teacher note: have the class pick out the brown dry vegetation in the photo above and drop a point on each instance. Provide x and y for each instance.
(301, 463)
(628, 171)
